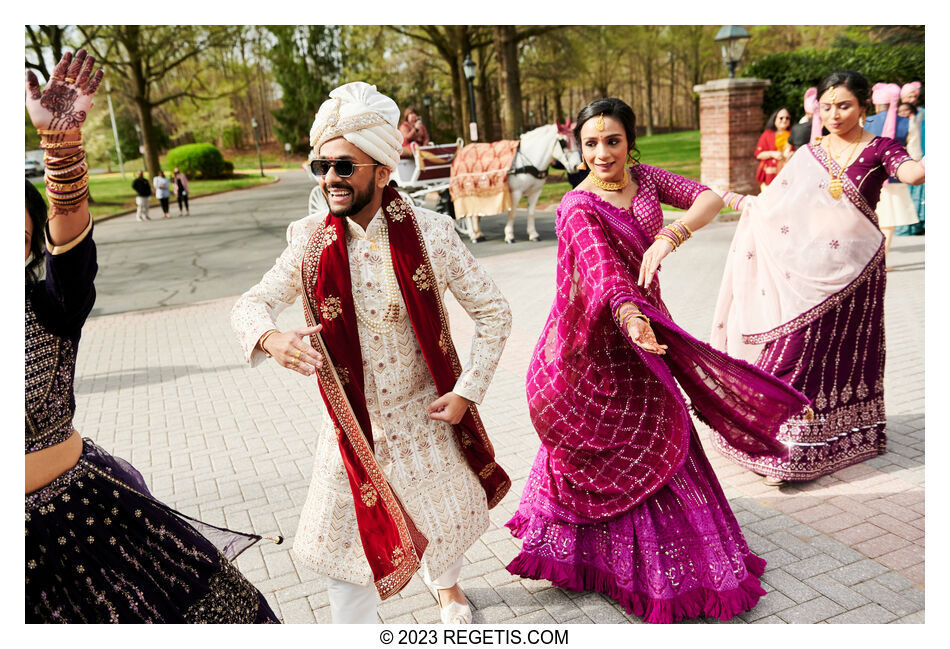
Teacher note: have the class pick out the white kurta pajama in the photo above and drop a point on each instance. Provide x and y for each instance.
(419, 456)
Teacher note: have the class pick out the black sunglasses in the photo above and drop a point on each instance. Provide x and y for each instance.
(343, 168)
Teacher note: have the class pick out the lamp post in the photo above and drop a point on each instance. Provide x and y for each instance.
(732, 41)
(257, 143)
(115, 131)
(468, 67)
(730, 112)
(427, 103)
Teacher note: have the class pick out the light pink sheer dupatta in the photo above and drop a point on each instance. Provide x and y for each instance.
(796, 254)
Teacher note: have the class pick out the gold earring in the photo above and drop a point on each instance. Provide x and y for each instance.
(582, 166)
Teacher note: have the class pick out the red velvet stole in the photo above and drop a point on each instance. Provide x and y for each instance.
(392, 544)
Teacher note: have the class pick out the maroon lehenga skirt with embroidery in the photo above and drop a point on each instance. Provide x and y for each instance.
(837, 361)
(677, 555)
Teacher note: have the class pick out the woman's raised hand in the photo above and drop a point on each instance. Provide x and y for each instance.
(65, 102)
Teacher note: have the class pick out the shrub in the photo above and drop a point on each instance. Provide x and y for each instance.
(199, 160)
(792, 73)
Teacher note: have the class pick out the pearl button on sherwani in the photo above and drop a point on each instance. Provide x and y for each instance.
(419, 456)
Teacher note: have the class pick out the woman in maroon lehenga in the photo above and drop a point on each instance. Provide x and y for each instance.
(803, 292)
(621, 499)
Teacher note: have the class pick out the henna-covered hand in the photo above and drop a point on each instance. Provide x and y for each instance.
(641, 334)
(65, 102)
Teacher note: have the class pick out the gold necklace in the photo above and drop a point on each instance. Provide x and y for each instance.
(390, 317)
(607, 185)
(836, 186)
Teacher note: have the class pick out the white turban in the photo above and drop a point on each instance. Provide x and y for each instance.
(364, 117)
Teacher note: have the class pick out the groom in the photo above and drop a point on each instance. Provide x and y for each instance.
(404, 474)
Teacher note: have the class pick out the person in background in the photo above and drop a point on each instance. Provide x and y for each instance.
(771, 150)
(162, 191)
(180, 188)
(413, 130)
(896, 207)
(143, 192)
(807, 128)
(910, 94)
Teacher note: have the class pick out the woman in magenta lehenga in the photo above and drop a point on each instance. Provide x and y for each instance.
(621, 498)
(803, 291)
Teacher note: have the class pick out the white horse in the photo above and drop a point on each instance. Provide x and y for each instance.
(539, 148)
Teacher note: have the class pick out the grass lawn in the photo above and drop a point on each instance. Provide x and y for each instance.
(676, 152)
(113, 195)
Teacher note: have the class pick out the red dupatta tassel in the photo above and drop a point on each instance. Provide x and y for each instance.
(392, 543)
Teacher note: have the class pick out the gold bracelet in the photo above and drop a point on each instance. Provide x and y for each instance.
(683, 223)
(667, 238)
(60, 145)
(68, 186)
(264, 336)
(47, 131)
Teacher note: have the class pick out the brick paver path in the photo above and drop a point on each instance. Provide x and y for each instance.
(168, 390)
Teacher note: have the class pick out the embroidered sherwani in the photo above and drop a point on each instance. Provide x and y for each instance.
(419, 456)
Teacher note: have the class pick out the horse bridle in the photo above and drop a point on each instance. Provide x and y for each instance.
(530, 168)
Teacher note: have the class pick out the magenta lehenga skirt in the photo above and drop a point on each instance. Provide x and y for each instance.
(679, 554)
(837, 361)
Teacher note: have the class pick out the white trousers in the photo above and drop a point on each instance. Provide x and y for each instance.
(354, 604)
(141, 208)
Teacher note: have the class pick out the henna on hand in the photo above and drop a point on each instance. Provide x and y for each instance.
(65, 99)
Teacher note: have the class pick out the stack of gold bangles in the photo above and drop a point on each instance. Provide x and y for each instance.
(67, 177)
(627, 312)
(676, 233)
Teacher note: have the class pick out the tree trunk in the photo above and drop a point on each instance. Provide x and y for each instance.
(672, 78)
(509, 81)
(485, 104)
(648, 80)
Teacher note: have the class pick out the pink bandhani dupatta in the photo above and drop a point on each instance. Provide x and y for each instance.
(796, 254)
(612, 416)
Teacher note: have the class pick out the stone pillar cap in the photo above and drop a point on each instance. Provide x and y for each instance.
(731, 84)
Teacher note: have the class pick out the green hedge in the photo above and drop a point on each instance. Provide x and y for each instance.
(792, 73)
(199, 160)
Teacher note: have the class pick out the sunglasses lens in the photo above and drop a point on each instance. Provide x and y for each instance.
(343, 168)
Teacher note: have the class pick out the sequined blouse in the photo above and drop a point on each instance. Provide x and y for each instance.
(56, 308)
(878, 160)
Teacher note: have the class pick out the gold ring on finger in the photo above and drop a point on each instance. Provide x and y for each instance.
(297, 355)
(69, 80)
(294, 364)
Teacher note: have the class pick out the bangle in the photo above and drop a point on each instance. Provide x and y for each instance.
(682, 223)
(264, 336)
(60, 145)
(47, 131)
(668, 238)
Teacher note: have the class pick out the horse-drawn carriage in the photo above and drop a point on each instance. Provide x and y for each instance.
(464, 178)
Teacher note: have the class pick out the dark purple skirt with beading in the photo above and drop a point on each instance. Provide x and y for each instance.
(100, 548)
(837, 361)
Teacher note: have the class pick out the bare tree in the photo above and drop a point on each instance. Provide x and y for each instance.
(140, 57)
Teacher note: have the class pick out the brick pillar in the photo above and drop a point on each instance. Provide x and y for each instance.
(730, 123)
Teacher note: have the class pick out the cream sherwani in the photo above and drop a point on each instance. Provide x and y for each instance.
(419, 456)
